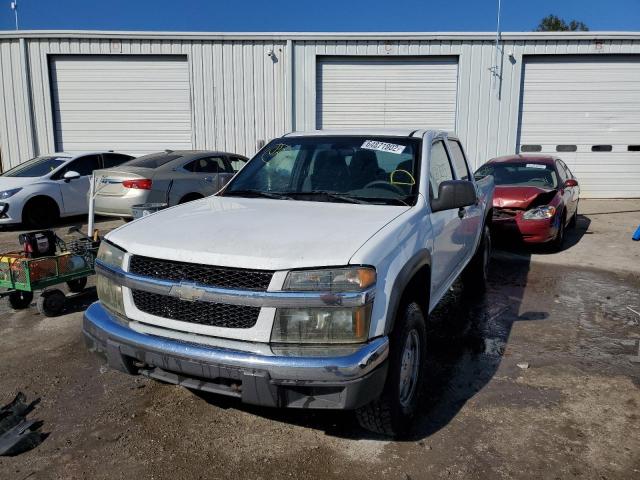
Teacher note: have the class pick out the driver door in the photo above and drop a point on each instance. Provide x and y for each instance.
(448, 246)
(74, 192)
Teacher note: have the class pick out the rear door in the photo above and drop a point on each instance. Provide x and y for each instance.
(209, 173)
(449, 242)
(74, 192)
(472, 215)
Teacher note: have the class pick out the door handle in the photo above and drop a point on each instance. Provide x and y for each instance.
(461, 212)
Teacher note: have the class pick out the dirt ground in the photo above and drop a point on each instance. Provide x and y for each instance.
(538, 379)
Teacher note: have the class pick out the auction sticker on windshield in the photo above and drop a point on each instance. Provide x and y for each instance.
(383, 146)
(536, 165)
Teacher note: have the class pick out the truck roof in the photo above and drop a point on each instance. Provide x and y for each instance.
(383, 132)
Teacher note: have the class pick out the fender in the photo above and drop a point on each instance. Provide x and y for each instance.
(419, 260)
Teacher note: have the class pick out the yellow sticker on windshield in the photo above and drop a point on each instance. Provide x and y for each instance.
(405, 178)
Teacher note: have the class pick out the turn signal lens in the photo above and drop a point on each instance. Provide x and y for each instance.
(141, 184)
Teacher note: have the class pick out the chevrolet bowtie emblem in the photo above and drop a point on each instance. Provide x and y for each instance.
(187, 291)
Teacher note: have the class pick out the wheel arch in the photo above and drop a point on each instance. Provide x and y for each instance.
(413, 281)
(42, 197)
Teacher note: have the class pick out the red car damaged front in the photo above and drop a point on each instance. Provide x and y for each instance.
(534, 199)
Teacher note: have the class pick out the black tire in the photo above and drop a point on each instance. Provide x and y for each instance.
(476, 274)
(190, 197)
(574, 220)
(557, 243)
(40, 212)
(77, 285)
(20, 300)
(393, 412)
(51, 302)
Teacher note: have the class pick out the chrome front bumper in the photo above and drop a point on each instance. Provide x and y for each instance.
(300, 378)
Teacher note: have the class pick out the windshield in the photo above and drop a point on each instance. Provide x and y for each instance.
(520, 174)
(36, 167)
(333, 169)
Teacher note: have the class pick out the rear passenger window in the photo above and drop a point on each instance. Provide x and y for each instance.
(83, 165)
(439, 168)
(114, 159)
(561, 172)
(237, 163)
(459, 161)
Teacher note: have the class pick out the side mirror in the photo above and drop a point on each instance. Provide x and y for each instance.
(571, 183)
(70, 175)
(454, 194)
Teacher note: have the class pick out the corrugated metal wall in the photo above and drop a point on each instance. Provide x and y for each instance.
(487, 115)
(241, 95)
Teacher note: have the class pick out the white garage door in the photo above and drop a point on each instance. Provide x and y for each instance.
(386, 93)
(132, 104)
(586, 110)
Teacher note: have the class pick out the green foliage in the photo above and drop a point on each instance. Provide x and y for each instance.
(553, 23)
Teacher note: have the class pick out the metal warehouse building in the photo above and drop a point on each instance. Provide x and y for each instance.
(573, 93)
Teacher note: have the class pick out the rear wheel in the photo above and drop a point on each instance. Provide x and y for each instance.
(20, 300)
(77, 285)
(40, 212)
(393, 412)
(51, 302)
(190, 197)
(476, 274)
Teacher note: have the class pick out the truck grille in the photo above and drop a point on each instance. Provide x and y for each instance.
(201, 313)
(223, 277)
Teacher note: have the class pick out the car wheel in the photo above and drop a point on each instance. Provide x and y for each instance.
(20, 300)
(476, 274)
(40, 212)
(190, 198)
(558, 242)
(393, 412)
(77, 285)
(51, 302)
(574, 219)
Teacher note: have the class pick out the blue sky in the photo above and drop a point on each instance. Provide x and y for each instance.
(318, 15)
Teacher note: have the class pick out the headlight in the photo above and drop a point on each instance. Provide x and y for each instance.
(540, 213)
(321, 325)
(111, 255)
(347, 279)
(9, 193)
(110, 294)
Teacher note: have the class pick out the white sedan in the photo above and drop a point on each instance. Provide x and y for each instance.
(45, 188)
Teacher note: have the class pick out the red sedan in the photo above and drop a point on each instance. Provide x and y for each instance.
(536, 197)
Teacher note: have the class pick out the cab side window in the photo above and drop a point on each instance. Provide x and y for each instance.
(439, 168)
(459, 160)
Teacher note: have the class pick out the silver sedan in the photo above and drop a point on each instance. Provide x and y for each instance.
(170, 177)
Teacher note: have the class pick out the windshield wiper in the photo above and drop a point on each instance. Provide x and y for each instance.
(256, 193)
(333, 195)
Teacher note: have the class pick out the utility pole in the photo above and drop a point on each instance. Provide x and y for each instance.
(14, 7)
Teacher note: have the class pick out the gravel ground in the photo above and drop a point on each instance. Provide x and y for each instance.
(542, 383)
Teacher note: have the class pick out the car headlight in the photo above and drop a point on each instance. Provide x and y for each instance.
(9, 193)
(540, 213)
(321, 325)
(111, 255)
(110, 292)
(346, 279)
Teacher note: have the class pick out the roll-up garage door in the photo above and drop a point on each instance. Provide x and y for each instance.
(586, 110)
(386, 93)
(132, 104)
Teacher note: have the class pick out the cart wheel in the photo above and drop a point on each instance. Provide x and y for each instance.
(51, 302)
(77, 285)
(20, 300)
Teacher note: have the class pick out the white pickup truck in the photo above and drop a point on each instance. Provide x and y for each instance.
(307, 282)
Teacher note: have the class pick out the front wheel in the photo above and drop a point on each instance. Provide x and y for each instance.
(392, 413)
(51, 302)
(77, 285)
(476, 274)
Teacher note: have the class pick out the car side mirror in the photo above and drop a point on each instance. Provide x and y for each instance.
(454, 194)
(571, 183)
(70, 175)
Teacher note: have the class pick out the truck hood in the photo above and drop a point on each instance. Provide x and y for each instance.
(256, 233)
(521, 197)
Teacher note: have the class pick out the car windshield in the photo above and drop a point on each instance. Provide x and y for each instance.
(36, 167)
(353, 169)
(529, 174)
